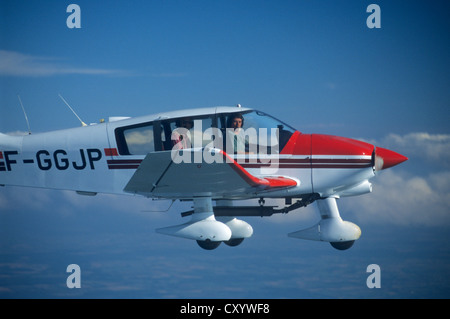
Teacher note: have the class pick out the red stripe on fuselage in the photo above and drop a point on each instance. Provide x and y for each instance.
(111, 152)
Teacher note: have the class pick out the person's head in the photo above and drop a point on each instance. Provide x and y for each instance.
(236, 121)
(187, 123)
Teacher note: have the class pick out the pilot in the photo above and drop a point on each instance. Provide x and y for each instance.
(181, 136)
(235, 134)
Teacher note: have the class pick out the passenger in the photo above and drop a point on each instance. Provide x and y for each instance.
(181, 136)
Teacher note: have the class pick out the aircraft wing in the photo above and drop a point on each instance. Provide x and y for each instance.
(159, 176)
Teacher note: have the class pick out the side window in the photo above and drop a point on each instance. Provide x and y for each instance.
(135, 140)
(188, 132)
(140, 140)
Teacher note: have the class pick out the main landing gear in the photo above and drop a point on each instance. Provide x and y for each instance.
(208, 231)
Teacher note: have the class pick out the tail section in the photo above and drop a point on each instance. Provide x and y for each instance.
(9, 147)
(72, 159)
(10, 142)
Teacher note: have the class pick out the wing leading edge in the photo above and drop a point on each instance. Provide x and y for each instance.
(159, 176)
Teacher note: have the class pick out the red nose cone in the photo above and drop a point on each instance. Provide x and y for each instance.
(386, 158)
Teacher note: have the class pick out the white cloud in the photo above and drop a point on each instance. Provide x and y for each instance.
(19, 64)
(420, 146)
(403, 199)
(435, 147)
(69, 203)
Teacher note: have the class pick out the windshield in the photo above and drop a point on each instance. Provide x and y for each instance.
(254, 132)
(248, 132)
(261, 119)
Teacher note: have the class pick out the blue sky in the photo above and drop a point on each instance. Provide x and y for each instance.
(313, 64)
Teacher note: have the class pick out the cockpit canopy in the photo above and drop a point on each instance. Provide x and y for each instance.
(258, 133)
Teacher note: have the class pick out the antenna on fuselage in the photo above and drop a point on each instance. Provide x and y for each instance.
(24, 113)
(82, 123)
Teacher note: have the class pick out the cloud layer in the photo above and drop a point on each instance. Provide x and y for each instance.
(19, 64)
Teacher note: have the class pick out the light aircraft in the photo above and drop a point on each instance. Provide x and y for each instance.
(200, 155)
